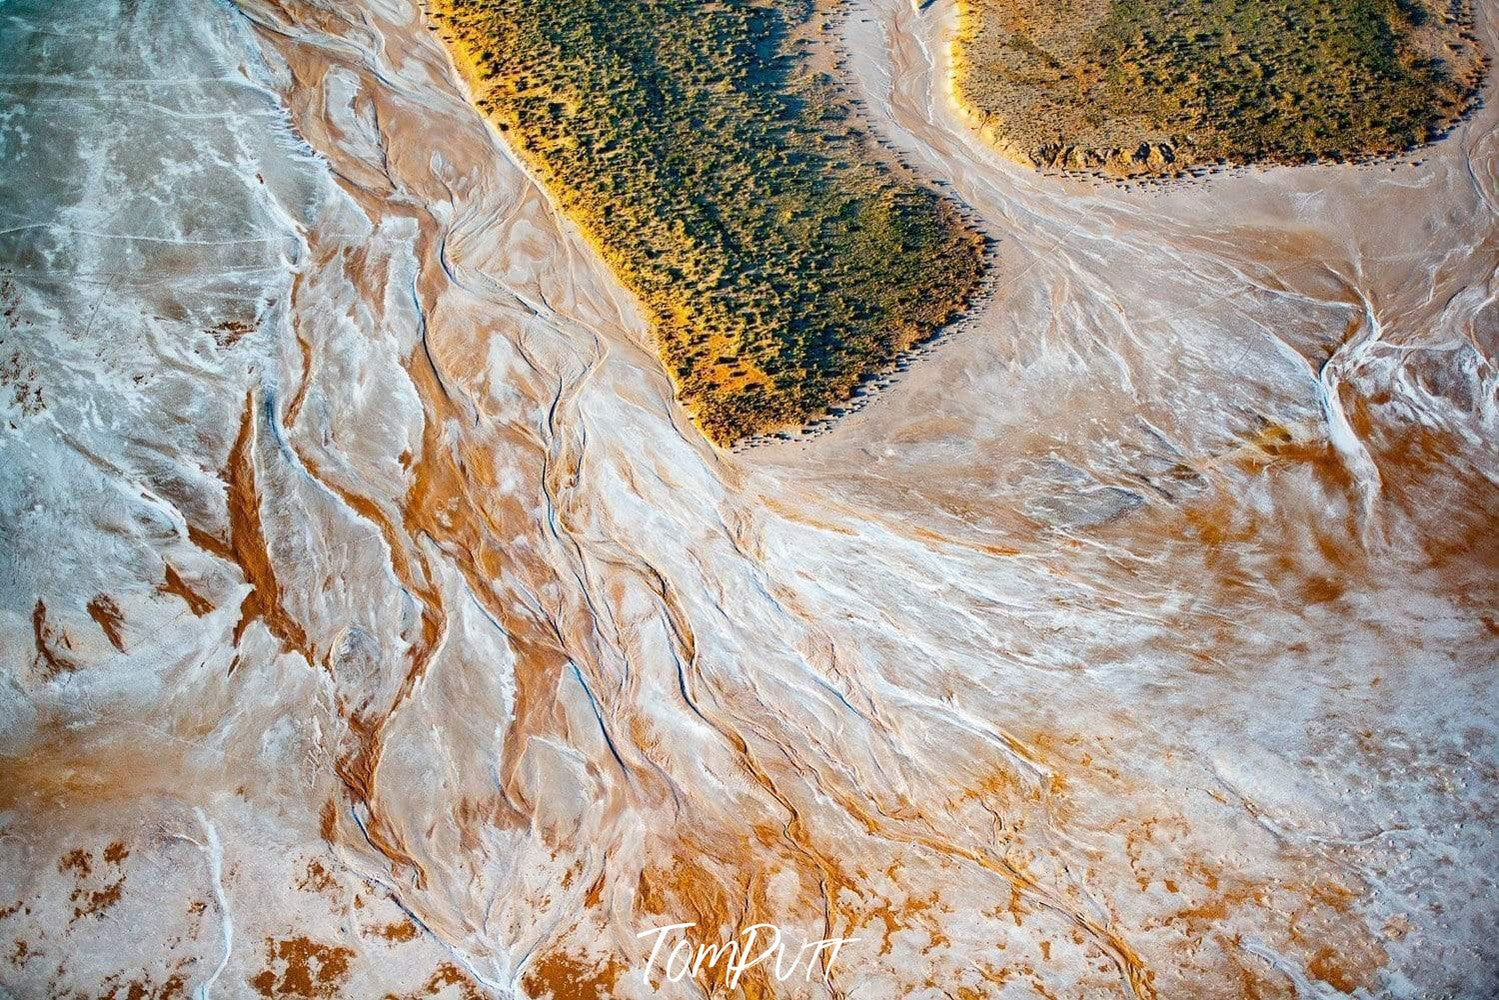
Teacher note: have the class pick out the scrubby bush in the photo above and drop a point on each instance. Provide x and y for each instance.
(782, 258)
(1085, 82)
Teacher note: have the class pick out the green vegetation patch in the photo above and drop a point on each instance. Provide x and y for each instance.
(1138, 86)
(704, 148)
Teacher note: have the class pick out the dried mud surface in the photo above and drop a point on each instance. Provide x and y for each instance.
(374, 624)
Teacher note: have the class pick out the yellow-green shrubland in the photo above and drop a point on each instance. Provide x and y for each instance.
(781, 256)
(1153, 86)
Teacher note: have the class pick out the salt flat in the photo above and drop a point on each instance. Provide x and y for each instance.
(375, 623)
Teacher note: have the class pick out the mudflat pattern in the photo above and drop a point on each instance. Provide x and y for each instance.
(372, 623)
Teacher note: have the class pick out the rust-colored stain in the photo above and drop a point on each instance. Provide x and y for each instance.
(173, 988)
(560, 976)
(77, 860)
(445, 975)
(209, 543)
(1322, 589)
(318, 880)
(1327, 965)
(401, 930)
(294, 408)
(328, 821)
(301, 967)
(247, 543)
(230, 331)
(95, 903)
(48, 658)
(896, 917)
(88, 901)
(721, 889)
(178, 587)
(61, 770)
(358, 767)
(106, 612)
(1316, 921)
